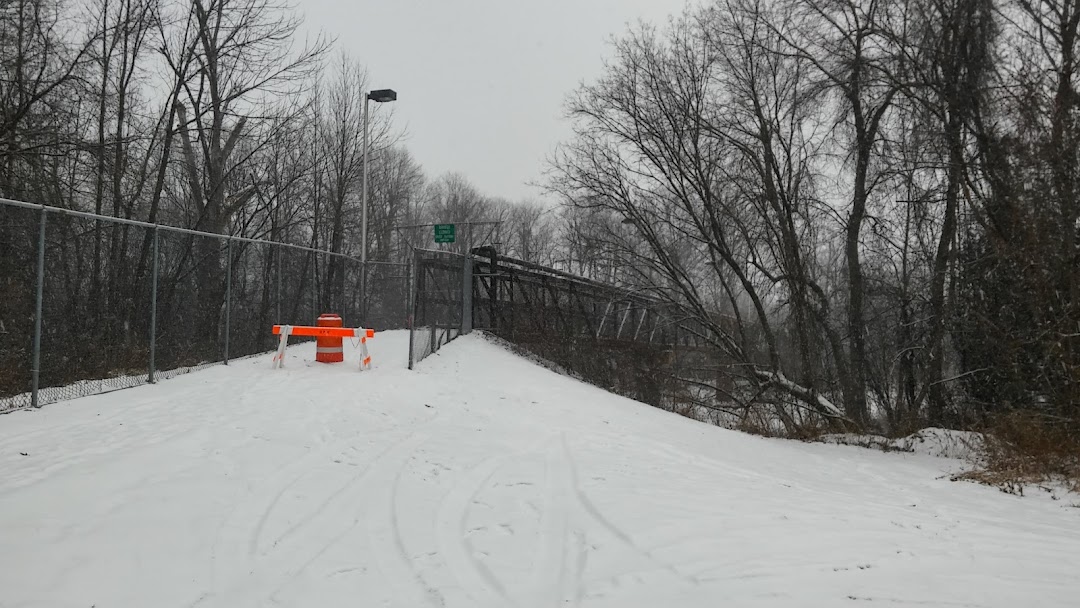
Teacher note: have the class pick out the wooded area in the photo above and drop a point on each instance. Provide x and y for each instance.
(872, 204)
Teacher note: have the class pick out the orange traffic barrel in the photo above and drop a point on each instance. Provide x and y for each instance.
(327, 349)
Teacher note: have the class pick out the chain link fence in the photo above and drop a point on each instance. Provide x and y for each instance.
(19, 229)
(387, 305)
(442, 301)
(123, 303)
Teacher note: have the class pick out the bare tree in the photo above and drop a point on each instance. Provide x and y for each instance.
(653, 146)
(396, 183)
(243, 52)
(37, 64)
(842, 41)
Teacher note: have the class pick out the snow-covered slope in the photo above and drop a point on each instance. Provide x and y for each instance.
(483, 480)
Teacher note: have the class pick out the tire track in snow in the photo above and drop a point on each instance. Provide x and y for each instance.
(549, 576)
(295, 471)
(357, 493)
(478, 581)
(257, 533)
(475, 577)
(590, 509)
(581, 557)
(384, 530)
(279, 566)
(344, 491)
(321, 508)
(236, 547)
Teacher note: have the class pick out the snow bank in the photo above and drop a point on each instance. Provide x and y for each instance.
(936, 442)
(481, 479)
(943, 443)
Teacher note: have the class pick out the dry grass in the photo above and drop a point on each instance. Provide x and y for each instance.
(1027, 449)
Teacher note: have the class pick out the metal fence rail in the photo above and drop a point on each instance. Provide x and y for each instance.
(441, 304)
(92, 303)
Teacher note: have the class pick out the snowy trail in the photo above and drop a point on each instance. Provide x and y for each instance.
(483, 480)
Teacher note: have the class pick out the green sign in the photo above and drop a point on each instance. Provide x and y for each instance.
(444, 233)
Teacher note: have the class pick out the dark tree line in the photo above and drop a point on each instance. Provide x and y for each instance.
(869, 204)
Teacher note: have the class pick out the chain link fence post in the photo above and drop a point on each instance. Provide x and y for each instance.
(36, 368)
(431, 317)
(466, 295)
(414, 291)
(408, 292)
(277, 288)
(363, 292)
(153, 310)
(228, 294)
(314, 289)
(365, 284)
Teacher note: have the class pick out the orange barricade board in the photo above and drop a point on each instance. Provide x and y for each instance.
(326, 332)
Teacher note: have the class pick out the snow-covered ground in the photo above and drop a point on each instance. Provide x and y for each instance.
(483, 480)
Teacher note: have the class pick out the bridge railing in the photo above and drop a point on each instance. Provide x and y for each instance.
(617, 338)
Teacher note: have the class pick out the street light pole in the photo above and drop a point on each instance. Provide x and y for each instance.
(363, 222)
(379, 96)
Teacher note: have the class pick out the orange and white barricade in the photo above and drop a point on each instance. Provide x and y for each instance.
(321, 333)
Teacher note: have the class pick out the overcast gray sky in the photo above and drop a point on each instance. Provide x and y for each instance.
(481, 83)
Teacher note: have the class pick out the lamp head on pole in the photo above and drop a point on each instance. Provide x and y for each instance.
(383, 95)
